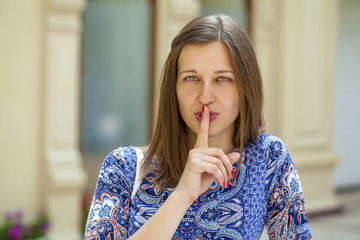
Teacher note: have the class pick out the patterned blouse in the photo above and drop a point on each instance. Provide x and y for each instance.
(265, 192)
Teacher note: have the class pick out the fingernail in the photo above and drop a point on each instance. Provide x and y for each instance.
(224, 185)
(227, 183)
(232, 173)
(203, 107)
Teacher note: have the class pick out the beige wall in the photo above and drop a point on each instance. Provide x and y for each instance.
(20, 105)
(295, 42)
(40, 159)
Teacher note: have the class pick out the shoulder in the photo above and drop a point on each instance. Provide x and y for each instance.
(272, 142)
(122, 156)
(120, 165)
(270, 145)
(274, 152)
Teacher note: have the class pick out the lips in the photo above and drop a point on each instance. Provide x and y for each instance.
(213, 116)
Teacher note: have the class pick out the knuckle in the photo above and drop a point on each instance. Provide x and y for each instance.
(213, 169)
(227, 163)
(219, 151)
(194, 152)
(218, 162)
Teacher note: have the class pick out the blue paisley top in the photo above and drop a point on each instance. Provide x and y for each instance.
(266, 192)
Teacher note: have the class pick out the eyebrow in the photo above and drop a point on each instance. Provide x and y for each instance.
(216, 72)
(224, 71)
(186, 71)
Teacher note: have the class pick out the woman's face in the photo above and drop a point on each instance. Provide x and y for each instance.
(206, 77)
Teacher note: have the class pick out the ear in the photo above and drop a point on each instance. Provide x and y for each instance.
(234, 157)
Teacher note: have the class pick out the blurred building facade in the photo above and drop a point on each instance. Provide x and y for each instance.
(308, 86)
(41, 162)
(347, 99)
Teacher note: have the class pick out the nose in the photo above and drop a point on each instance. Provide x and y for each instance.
(206, 95)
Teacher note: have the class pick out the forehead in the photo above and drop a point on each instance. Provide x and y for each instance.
(205, 56)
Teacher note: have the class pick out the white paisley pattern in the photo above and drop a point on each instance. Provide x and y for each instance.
(265, 192)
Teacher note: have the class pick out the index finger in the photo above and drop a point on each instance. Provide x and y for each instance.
(203, 134)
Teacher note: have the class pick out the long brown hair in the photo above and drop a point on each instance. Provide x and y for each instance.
(169, 147)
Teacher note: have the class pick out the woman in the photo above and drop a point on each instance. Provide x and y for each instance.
(210, 171)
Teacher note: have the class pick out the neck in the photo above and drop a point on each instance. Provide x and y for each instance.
(227, 146)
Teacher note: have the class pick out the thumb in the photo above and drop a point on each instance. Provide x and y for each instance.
(234, 157)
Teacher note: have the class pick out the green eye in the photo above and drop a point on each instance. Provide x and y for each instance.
(191, 78)
(224, 79)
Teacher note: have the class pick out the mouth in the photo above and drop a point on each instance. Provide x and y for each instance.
(212, 117)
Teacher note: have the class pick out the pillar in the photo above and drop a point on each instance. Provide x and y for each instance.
(62, 111)
(295, 43)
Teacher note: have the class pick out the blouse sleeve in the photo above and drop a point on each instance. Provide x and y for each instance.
(109, 211)
(286, 216)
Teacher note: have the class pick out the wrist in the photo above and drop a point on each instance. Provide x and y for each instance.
(181, 199)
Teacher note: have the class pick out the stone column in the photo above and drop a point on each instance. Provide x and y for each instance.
(21, 159)
(295, 43)
(170, 17)
(62, 106)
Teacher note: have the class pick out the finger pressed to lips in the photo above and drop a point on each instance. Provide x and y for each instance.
(203, 134)
(220, 165)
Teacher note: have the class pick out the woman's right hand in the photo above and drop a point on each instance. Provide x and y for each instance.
(204, 165)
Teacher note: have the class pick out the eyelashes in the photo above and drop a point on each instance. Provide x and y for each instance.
(191, 78)
(224, 79)
(219, 79)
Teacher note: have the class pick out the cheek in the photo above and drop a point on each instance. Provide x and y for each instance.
(184, 97)
(231, 100)
(181, 98)
(236, 102)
